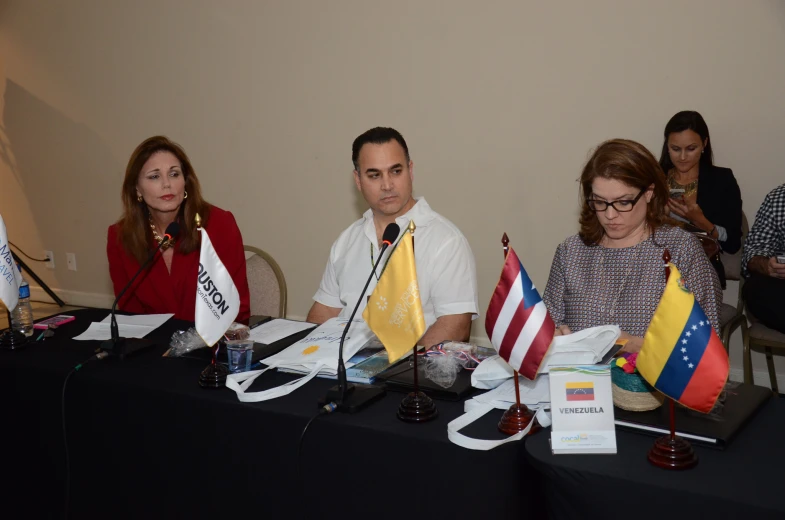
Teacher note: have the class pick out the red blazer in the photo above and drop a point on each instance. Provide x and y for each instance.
(156, 291)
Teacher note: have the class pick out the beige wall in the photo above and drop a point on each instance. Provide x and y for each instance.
(500, 102)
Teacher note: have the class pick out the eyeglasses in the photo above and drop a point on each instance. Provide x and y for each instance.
(622, 206)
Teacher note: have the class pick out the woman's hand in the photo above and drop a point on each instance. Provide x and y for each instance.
(562, 330)
(687, 208)
(633, 344)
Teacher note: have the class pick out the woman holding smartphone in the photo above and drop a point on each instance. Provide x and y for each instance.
(703, 195)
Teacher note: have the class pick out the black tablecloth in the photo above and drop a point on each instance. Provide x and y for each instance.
(743, 481)
(145, 441)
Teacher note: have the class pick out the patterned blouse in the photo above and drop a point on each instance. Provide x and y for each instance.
(594, 285)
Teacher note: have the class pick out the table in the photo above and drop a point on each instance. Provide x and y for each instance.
(145, 441)
(743, 481)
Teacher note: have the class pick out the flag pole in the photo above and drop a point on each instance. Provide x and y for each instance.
(416, 407)
(214, 375)
(518, 416)
(670, 451)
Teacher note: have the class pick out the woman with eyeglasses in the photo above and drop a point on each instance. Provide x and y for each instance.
(702, 195)
(612, 271)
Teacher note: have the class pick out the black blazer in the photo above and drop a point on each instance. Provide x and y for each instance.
(720, 199)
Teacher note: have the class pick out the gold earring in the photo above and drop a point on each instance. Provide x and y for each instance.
(139, 198)
(185, 196)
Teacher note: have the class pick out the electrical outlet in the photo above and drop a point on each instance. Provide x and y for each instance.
(71, 259)
(50, 262)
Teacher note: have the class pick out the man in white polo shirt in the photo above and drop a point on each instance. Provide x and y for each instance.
(446, 272)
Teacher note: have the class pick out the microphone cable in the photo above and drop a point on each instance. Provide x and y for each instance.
(100, 355)
(324, 410)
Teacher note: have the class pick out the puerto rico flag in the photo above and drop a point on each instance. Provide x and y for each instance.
(517, 322)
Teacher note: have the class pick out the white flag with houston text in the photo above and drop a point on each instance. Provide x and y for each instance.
(217, 298)
(10, 277)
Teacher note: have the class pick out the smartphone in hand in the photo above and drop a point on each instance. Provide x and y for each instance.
(677, 193)
(780, 256)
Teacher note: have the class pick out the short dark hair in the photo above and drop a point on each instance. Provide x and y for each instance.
(686, 120)
(627, 162)
(378, 135)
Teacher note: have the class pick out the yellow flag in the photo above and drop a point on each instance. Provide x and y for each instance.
(394, 311)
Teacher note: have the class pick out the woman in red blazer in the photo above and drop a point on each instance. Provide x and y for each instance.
(160, 187)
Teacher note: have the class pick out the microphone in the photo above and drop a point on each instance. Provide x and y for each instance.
(124, 346)
(348, 396)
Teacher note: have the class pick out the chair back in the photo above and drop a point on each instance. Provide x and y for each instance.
(732, 263)
(266, 283)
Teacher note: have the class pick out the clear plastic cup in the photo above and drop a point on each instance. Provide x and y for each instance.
(239, 353)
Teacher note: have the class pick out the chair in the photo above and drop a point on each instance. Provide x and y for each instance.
(732, 317)
(266, 284)
(758, 335)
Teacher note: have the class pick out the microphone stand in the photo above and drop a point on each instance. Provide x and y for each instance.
(350, 397)
(118, 346)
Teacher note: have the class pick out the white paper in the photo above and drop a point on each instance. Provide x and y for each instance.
(144, 320)
(532, 392)
(128, 326)
(582, 414)
(274, 330)
(321, 347)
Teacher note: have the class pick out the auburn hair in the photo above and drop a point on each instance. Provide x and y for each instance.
(632, 164)
(134, 230)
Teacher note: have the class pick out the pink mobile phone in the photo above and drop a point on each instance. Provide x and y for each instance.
(58, 320)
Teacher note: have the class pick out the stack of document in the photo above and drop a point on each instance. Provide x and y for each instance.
(137, 326)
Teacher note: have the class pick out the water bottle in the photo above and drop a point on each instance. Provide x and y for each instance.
(22, 315)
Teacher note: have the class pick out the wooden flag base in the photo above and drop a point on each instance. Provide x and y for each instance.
(516, 419)
(12, 339)
(214, 375)
(672, 453)
(417, 407)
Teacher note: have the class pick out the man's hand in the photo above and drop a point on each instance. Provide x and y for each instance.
(767, 266)
(451, 327)
(320, 313)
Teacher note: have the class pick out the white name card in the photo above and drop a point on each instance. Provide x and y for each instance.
(582, 409)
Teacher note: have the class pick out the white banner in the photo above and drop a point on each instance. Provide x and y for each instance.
(217, 298)
(10, 277)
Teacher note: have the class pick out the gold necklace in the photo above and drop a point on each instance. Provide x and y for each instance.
(158, 238)
(691, 188)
